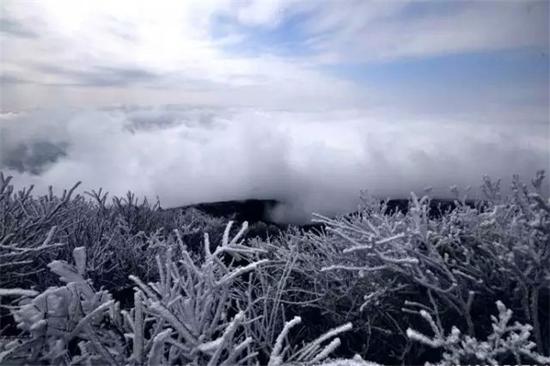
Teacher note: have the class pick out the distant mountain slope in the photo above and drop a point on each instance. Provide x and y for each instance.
(251, 210)
(257, 210)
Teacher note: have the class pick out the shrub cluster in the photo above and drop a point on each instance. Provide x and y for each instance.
(120, 238)
(390, 287)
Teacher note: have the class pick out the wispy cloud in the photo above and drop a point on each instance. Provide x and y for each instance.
(16, 29)
(247, 48)
(152, 45)
(363, 32)
(99, 76)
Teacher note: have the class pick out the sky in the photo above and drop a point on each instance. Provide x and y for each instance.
(297, 100)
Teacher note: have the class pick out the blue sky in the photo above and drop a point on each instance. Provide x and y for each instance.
(286, 38)
(495, 68)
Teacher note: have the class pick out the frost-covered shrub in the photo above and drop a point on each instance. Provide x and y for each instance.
(30, 229)
(293, 284)
(60, 316)
(508, 343)
(236, 300)
(278, 290)
(193, 297)
(454, 265)
(188, 316)
(119, 237)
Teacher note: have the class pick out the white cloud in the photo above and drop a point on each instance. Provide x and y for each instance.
(53, 50)
(358, 31)
(109, 47)
(315, 161)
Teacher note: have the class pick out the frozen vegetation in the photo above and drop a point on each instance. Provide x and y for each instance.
(87, 280)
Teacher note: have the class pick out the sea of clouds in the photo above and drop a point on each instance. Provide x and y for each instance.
(315, 161)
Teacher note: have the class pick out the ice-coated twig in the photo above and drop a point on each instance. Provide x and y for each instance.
(17, 292)
(240, 271)
(276, 357)
(311, 348)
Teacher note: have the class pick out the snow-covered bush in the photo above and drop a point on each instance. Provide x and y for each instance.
(187, 316)
(29, 228)
(287, 299)
(119, 237)
(59, 316)
(454, 265)
(508, 343)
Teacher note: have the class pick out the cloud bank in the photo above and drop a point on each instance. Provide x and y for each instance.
(302, 101)
(314, 161)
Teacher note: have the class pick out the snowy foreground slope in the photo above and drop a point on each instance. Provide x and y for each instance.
(89, 282)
